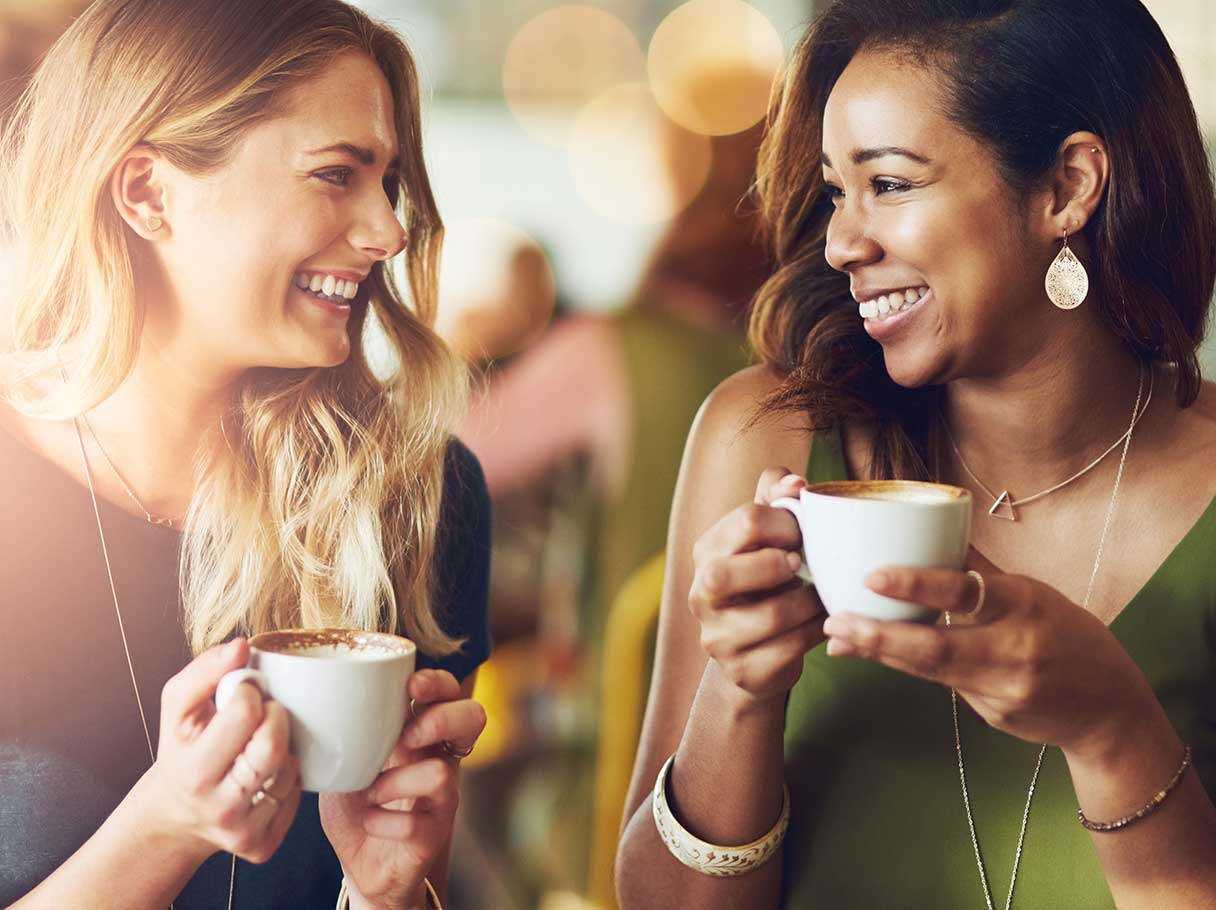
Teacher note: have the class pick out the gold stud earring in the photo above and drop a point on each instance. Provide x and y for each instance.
(153, 223)
(1067, 281)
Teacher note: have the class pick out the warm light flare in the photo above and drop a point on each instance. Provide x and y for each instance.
(712, 65)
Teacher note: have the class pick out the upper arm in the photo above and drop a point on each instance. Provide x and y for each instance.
(722, 462)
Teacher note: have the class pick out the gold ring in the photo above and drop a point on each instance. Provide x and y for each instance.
(979, 600)
(452, 752)
(413, 711)
(260, 797)
(268, 783)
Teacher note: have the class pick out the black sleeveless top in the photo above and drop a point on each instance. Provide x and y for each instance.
(71, 742)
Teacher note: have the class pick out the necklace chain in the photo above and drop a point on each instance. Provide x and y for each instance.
(1126, 439)
(151, 519)
(88, 475)
(1012, 504)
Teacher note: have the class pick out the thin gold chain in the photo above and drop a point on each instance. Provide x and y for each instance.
(958, 741)
(1026, 500)
(151, 519)
(88, 476)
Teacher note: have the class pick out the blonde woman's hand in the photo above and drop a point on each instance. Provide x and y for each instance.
(1030, 661)
(210, 764)
(388, 836)
(757, 618)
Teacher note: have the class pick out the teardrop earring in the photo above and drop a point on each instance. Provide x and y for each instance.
(1067, 281)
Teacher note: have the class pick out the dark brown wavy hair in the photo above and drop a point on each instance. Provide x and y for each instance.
(1015, 81)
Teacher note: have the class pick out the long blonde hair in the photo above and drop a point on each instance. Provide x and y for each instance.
(323, 507)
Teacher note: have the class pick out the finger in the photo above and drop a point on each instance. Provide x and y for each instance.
(755, 527)
(938, 589)
(266, 751)
(432, 779)
(428, 686)
(456, 722)
(931, 652)
(739, 628)
(402, 826)
(742, 574)
(195, 684)
(280, 824)
(771, 478)
(229, 731)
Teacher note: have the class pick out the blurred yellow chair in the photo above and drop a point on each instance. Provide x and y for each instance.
(629, 636)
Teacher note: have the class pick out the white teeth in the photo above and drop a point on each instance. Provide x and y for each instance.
(352, 289)
(315, 284)
(327, 286)
(330, 285)
(890, 304)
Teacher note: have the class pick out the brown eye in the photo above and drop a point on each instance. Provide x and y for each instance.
(338, 176)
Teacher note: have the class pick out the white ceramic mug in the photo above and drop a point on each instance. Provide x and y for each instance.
(850, 527)
(345, 693)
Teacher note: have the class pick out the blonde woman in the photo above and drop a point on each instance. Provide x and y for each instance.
(194, 449)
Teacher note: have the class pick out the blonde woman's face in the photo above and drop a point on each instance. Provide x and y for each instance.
(263, 259)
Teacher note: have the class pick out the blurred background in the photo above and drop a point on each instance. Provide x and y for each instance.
(591, 163)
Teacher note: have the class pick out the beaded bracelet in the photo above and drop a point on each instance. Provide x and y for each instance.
(711, 859)
(1148, 807)
(344, 896)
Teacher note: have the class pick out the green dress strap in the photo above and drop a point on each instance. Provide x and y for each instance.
(826, 461)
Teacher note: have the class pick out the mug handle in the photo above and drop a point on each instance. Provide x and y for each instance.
(793, 505)
(229, 681)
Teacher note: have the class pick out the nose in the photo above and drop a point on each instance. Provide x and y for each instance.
(849, 244)
(379, 233)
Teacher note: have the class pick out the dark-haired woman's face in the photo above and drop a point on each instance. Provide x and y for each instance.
(930, 235)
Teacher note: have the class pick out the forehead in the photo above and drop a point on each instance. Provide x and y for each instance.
(887, 98)
(348, 101)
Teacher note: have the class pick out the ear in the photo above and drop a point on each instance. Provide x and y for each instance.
(138, 192)
(1076, 186)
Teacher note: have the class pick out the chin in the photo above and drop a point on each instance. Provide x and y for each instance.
(913, 370)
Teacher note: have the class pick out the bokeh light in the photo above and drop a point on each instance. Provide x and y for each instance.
(630, 163)
(563, 58)
(496, 288)
(712, 65)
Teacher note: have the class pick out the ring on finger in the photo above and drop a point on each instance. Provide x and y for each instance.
(261, 796)
(981, 596)
(247, 770)
(413, 710)
(452, 752)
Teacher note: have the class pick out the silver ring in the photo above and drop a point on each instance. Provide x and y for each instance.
(452, 752)
(979, 600)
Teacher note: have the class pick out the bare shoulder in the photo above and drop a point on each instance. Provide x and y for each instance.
(731, 432)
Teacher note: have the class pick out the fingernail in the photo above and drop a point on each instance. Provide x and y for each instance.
(838, 648)
(879, 579)
(794, 560)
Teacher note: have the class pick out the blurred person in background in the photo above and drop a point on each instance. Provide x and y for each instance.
(606, 398)
(193, 449)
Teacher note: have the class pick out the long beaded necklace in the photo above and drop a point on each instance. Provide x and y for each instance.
(88, 474)
(1137, 413)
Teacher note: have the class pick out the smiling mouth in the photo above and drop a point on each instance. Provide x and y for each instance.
(888, 305)
(329, 288)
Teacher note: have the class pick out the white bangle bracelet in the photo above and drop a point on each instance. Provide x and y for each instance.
(711, 859)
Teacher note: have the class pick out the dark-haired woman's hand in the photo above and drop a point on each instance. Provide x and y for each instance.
(757, 618)
(388, 836)
(1029, 661)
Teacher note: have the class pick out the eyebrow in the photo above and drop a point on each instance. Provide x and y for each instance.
(363, 155)
(861, 156)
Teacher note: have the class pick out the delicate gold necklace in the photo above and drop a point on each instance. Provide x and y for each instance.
(958, 742)
(1011, 505)
(148, 516)
(88, 475)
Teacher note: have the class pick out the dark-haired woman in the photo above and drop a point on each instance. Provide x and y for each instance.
(931, 169)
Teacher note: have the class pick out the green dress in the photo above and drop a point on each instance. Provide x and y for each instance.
(877, 816)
